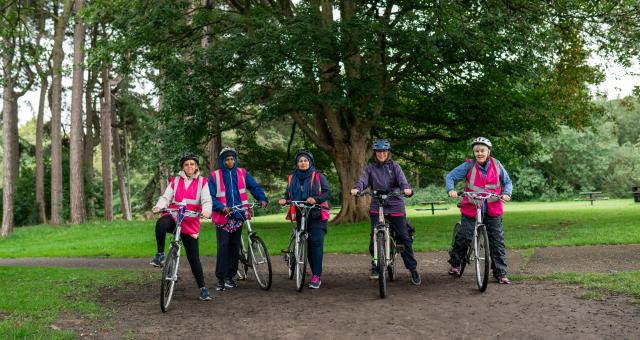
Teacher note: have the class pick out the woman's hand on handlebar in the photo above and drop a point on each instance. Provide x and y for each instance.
(453, 194)
(155, 209)
(407, 192)
(206, 214)
(354, 192)
(282, 201)
(311, 200)
(506, 198)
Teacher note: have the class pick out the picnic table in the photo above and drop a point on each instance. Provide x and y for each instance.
(433, 204)
(591, 196)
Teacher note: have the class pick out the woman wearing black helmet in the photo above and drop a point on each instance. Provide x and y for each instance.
(191, 188)
(483, 174)
(386, 174)
(308, 184)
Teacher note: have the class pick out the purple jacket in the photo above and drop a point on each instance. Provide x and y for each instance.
(387, 176)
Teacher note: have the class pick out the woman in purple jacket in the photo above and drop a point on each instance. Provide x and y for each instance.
(386, 174)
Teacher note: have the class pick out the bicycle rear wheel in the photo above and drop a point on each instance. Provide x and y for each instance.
(301, 262)
(382, 264)
(169, 278)
(483, 258)
(260, 261)
(391, 269)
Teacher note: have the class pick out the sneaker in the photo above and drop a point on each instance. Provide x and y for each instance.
(315, 282)
(374, 273)
(204, 294)
(229, 283)
(454, 270)
(503, 280)
(415, 278)
(220, 287)
(158, 260)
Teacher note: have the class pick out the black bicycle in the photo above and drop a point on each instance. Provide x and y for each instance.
(478, 251)
(170, 269)
(385, 250)
(253, 253)
(295, 256)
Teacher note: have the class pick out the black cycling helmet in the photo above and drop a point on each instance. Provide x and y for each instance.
(306, 153)
(381, 144)
(481, 141)
(226, 151)
(189, 156)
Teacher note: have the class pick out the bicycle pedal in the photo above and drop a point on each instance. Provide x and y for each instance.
(284, 251)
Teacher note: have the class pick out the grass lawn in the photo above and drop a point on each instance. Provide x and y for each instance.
(32, 299)
(598, 285)
(527, 225)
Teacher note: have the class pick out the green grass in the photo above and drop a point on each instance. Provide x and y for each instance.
(32, 299)
(527, 225)
(598, 285)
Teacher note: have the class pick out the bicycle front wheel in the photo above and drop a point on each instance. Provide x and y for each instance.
(301, 261)
(260, 261)
(382, 264)
(483, 258)
(169, 278)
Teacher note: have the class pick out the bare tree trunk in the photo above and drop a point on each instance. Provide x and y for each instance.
(213, 149)
(56, 114)
(122, 188)
(350, 161)
(89, 138)
(9, 138)
(76, 157)
(40, 204)
(105, 132)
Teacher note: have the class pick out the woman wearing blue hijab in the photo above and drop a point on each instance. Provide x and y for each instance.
(309, 185)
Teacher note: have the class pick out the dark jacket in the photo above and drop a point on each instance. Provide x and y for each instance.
(384, 176)
(315, 193)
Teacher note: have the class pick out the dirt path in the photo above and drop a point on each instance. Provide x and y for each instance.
(347, 305)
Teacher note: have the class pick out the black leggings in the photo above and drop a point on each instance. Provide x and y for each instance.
(166, 224)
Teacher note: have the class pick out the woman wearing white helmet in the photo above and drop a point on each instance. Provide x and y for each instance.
(487, 174)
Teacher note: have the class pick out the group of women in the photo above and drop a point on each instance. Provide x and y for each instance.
(228, 186)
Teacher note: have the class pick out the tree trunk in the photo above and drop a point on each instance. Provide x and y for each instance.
(9, 138)
(40, 203)
(105, 132)
(350, 161)
(213, 149)
(56, 114)
(76, 157)
(89, 138)
(122, 188)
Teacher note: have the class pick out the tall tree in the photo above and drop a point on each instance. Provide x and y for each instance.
(106, 108)
(57, 56)
(125, 205)
(76, 156)
(93, 125)
(39, 155)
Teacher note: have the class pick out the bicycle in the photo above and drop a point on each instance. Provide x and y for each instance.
(295, 256)
(255, 255)
(172, 262)
(478, 251)
(385, 250)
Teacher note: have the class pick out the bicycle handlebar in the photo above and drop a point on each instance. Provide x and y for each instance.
(480, 195)
(242, 207)
(304, 204)
(377, 193)
(187, 213)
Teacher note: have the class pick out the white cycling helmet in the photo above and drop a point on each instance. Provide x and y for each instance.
(481, 140)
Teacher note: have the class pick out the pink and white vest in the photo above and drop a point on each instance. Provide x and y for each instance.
(221, 193)
(191, 196)
(476, 182)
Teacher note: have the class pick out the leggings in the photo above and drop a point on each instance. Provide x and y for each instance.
(166, 224)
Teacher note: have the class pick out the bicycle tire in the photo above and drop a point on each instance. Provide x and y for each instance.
(261, 262)
(289, 258)
(482, 258)
(382, 272)
(243, 264)
(391, 269)
(169, 278)
(301, 262)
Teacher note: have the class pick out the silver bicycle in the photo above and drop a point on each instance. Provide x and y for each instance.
(253, 253)
(478, 251)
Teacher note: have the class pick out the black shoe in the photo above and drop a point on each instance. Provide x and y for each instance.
(415, 278)
(229, 283)
(220, 287)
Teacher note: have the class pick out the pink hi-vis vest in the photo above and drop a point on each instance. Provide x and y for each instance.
(191, 196)
(291, 214)
(221, 193)
(476, 182)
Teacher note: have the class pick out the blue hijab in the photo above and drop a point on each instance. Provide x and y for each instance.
(300, 187)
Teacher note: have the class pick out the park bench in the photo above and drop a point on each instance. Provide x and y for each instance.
(636, 194)
(433, 208)
(591, 196)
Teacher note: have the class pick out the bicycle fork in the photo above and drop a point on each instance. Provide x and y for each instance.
(387, 245)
